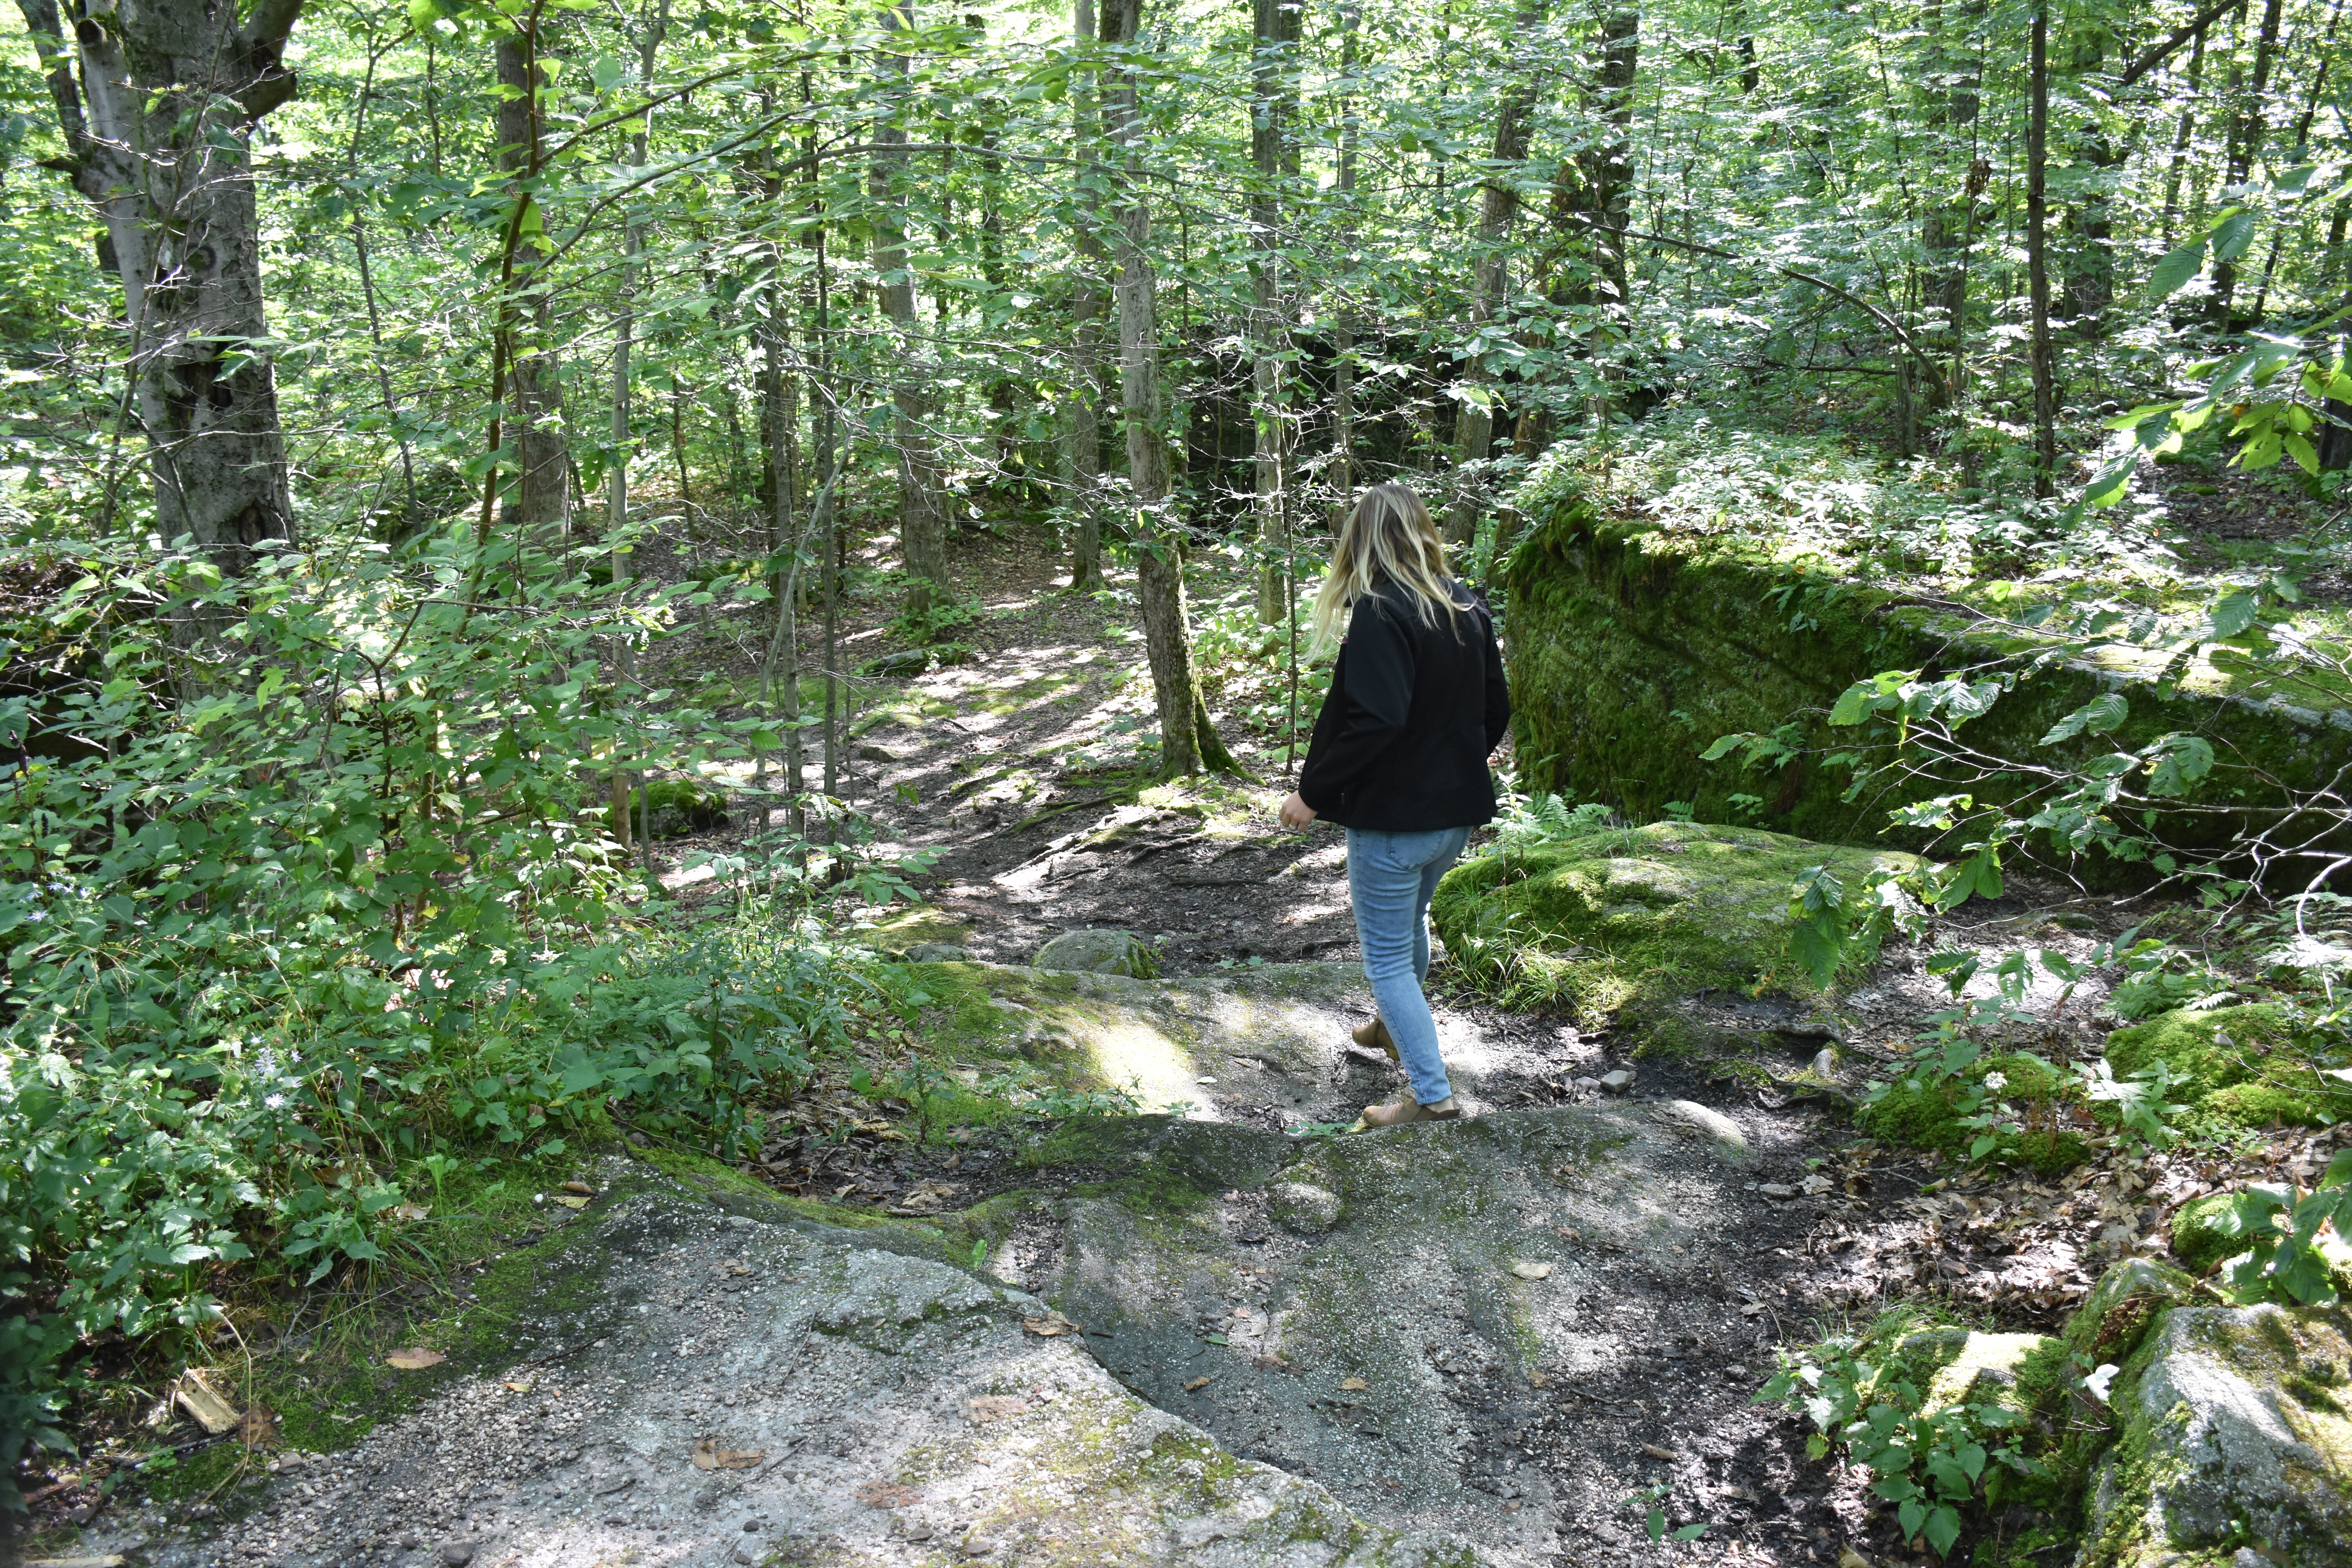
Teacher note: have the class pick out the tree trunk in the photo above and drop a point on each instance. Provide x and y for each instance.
(1276, 24)
(2245, 143)
(1608, 175)
(922, 512)
(539, 507)
(1498, 203)
(157, 135)
(2037, 259)
(1085, 425)
(2181, 136)
(2335, 435)
(1341, 474)
(1187, 740)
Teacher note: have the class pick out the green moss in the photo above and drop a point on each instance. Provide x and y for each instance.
(2233, 1067)
(1929, 1115)
(1621, 924)
(1642, 630)
(2198, 1238)
(675, 807)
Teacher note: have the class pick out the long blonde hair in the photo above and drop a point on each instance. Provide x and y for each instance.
(1388, 537)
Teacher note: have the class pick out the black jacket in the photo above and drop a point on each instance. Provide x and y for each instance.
(1414, 708)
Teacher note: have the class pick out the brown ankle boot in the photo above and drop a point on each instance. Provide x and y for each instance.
(1374, 1037)
(1410, 1110)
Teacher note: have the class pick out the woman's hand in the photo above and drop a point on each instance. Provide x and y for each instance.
(1295, 812)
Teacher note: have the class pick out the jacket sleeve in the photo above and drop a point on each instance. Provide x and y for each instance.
(1373, 702)
(1499, 692)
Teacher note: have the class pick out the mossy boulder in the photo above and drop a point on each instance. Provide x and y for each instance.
(1688, 583)
(1094, 951)
(1932, 1113)
(2116, 1315)
(1621, 924)
(2201, 1235)
(2233, 1443)
(673, 808)
(2233, 1067)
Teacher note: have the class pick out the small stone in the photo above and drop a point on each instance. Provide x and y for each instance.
(456, 1553)
(411, 1541)
(1824, 1065)
(1618, 1081)
(870, 753)
(743, 1556)
(1776, 1190)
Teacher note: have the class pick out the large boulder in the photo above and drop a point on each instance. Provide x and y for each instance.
(2234, 1436)
(1622, 924)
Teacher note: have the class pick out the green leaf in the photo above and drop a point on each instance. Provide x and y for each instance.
(1943, 1527)
(2306, 455)
(2233, 613)
(2178, 267)
(2233, 235)
(1853, 705)
(1692, 1531)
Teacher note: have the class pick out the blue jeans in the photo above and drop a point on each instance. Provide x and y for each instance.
(1391, 876)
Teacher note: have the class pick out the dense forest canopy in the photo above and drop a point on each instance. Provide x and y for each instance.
(442, 442)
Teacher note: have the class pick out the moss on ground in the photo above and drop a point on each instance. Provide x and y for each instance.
(1932, 1115)
(2234, 1068)
(1621, 924)
(2199, 1236)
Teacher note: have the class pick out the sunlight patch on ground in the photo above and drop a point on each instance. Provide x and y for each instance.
(1142, 1061)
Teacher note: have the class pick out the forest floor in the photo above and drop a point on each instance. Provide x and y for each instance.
(1020, 769)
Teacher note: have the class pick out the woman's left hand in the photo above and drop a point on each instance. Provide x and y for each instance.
(1295, 812)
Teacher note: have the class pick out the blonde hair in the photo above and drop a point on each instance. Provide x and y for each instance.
(1388, 537)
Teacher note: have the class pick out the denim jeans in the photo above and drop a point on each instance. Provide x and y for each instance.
(1390, 879)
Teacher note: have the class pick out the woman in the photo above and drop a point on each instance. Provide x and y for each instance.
(1399, 759)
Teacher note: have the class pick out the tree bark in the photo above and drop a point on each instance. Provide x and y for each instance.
(1498, 205)
(2037, 259)
(1086, 305)
(922, 510)
(539, 507)
(1275, 29)
(1187, 738)
(157, 134)
(2245, 143)
(2181, 136)
(1341, 474)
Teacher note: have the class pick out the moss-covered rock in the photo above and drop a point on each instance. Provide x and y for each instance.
(1702, 585)
(2201, 1237)
(2233, 1432)
(2234, 1067)
(1933, 1114)
(2121, 1307)
(673, 808)
(1621, 924)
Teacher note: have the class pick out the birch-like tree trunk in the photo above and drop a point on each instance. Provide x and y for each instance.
(1187, 738)
(1272, 105)
(157, 126)
(2037, 251)
(1498, 205)
(1084, 427)
(1341, 473)
(922, 513)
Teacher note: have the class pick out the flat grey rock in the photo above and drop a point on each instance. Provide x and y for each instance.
(1097, 953)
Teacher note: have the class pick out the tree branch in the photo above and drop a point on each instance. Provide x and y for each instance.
(2179, 35)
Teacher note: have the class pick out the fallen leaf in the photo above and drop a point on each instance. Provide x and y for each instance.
(570, 1201)
(1752, 1310)
(522, 1386)
(258, 1429)
(1216, 1339)
(1197, 1385)
(995, 1407)
(1526, 1271)
(201, 1400)
(710, 1456)
(1538, 1380)
(1657, 1453)
(410, 1211)
(1354, 1385)
(1050, 1325)
(1850, 1558)
(415, 1359)
(583, 1188)
(1243, 1313)
(886, 1494)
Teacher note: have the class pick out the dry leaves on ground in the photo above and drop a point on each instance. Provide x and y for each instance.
(886, 1494)
(410, 1211)
(1051, 1325)
(995, 1407)
(258, 1429)
(1354, 1385)
(571, 1202)
(415, 1358)
(1198, 1384)
(710, 1456)
(522, 1384)
(1657, 1453)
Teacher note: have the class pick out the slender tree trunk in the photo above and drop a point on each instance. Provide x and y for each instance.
(2336, 436)
(2245, 145)
(1609, 178)
(2181, 137)
(1086, 305)
(1498, 205)
(1276, 30)
(157, 133)
(1187, 738)
(1342, 470)
(616, 474)
(922, 510)
(2037, 259)
(539, 505)
(2295, 158)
